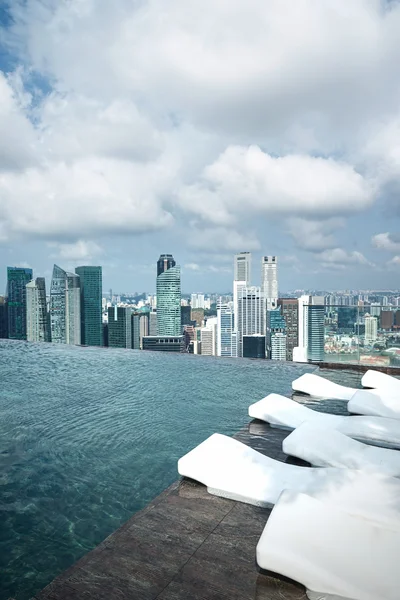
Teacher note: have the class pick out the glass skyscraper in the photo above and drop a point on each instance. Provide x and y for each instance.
(65, 317)
(91, 309)
(168, 297)
(316, 329)
(119, 327)
(36, 311)
(3, 318)
(17, 278)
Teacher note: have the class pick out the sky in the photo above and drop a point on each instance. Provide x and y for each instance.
(202, 128)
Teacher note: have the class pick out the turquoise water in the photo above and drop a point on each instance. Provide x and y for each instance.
(89, 436)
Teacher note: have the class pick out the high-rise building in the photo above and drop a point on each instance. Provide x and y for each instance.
(37, 318)
(152, 323)
(197, 301)
(269, 280)
(316, 329)
(375, 309)
(65, 307)
(119, 327)
(371, 329)
(135, 331)
(186, 315)
(290, 312)
(164, 343)
(254, 346)
(276, 332)
(387, 319)
(242, 267)
(251, 314)
(168, 297)
(3, 318)
(300, 351)
(208, 337)
(17, 278)
(91, 310)
(226, 340)
(347, 317)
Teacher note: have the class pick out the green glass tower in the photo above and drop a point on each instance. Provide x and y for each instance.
(17, 278)
(169, 321)
(91, 309)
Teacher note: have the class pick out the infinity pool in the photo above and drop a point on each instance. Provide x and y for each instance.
(89, 436)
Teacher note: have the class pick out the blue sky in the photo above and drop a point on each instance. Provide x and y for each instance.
(204, 128)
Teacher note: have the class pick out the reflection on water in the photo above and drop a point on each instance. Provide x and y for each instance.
(89, 436)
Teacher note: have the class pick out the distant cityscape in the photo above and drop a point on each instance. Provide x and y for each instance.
(252, 321)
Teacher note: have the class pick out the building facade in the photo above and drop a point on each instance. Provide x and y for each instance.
(254, 346)
(316, 329)
(168, 297)
(3, 318)
(371, 329)
(119, 327)
(208, 337)
(159, 343)
(242, 267)
(226, 340)
(276, 335)
(278, 346)
(65, 307)
(37, 317)
(73, 310)
(290, 312)
(269, 280)
(251, 314)
(17, 278)
(91, 286)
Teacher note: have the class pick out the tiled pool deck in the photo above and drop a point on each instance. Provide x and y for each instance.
(186, 544)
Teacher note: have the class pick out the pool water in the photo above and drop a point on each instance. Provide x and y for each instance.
(88, 436)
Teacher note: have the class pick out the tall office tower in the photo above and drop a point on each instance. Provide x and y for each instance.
(136, 331)
(37, 323)
(208, 337)
(3, 318)
(152, 323)
(119, 327)
(17, 278)
(168, 297)
(242, 267)
(65, 307)
(300, 351)
(91, 309)
(290, 312)
(316, 329)
(251, 314)
(269, 280)
(276, 334)
(226, 340)
(371, 329)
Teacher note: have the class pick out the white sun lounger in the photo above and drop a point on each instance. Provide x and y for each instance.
(378, 403)
(285, 413)
(314, 385)
(231, 469)
(381, 381)
(330, 448)
(332, 553)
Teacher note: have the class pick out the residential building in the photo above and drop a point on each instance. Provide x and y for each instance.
(371, 329)
(119, 327)
(197, 301)
(163, 343)
(242, 267)
(37, 318)
(254, 346)
(168, 297)
(226, 341)
(251, 314)
(91, 284)
(375, 309)
(65, 307)
(3, 318)
(17, 278)
(269, 280)
(290, 312)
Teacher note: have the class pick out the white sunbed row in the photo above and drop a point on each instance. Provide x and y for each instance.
(336, 529)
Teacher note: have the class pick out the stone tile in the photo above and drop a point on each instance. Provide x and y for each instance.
(244, 520)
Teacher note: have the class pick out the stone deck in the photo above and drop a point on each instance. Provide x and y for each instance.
(185, 545)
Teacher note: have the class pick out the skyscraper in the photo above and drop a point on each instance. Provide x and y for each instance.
(316, 329)
(91, 309)
(251, 314)
(226, 341)
(371, 329)
(276, 335)
(17, 278)
(119, 327)
(242, 267)
(168, 297)
(208, 337)
(3, 318)
(290, 312)
(36, 311)
(269, 280)
(65, 314)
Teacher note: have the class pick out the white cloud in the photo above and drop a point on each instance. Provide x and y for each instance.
(192, 267)
(222, 239)
(78, 251)
(386, 241)
(341, 257)
(394, 262)
(244, 180)
(314, 235)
